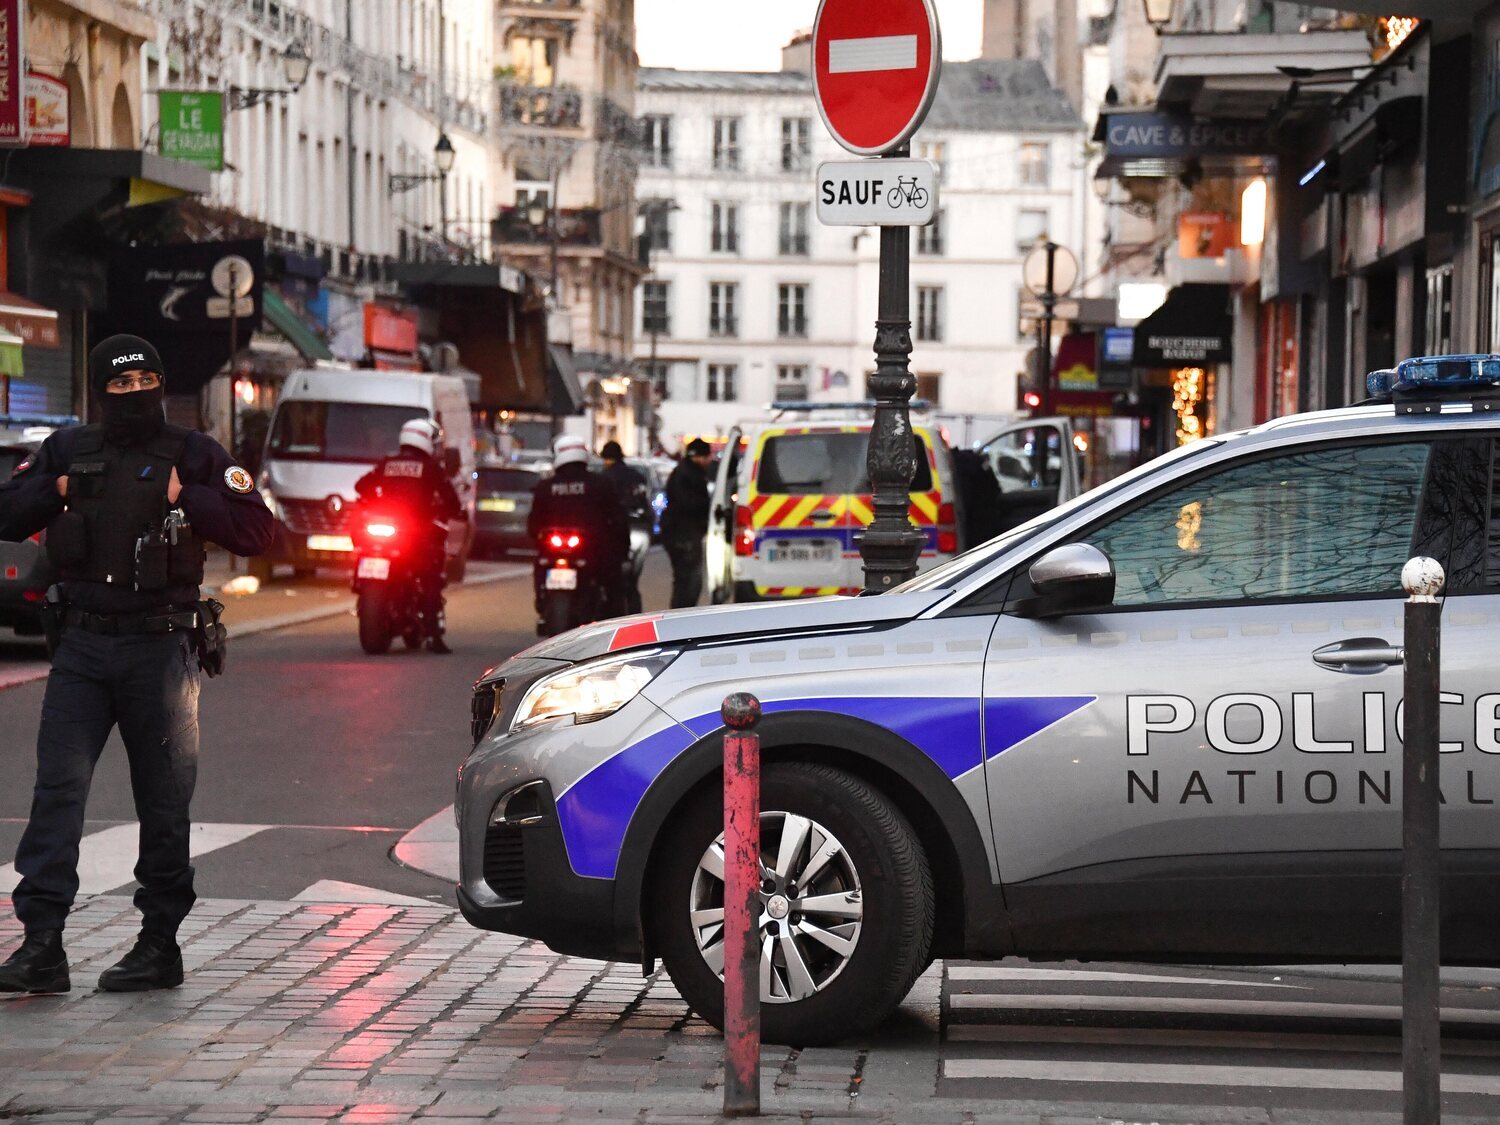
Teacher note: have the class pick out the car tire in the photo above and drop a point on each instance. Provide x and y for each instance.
(557, 613)
(891, 940)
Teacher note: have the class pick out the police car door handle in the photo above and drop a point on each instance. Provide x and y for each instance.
(822, 515)
(1361, 655)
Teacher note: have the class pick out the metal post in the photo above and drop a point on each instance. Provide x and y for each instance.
(234, 351)
(1421, 860)
(1049, 303)
(891, 545)
(742, 906)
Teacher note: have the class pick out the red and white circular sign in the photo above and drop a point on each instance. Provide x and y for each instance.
(875, 70)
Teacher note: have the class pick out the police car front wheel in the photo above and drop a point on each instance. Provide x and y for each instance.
(846, 918)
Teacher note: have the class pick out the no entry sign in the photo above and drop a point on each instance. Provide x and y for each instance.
(875, 70)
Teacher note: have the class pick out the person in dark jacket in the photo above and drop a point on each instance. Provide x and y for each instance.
(684, 524)
(635, 495)
(127, 506)
(575, 496)
(414, 480)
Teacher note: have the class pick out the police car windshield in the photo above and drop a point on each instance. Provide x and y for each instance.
(956, 569)
(364, 432)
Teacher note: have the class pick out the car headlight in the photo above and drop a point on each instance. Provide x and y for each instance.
(591, 691)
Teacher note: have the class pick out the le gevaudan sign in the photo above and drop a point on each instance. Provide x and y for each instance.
(886, 193)
(192, 127)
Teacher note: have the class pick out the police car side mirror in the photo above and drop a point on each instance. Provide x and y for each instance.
(1069, 579)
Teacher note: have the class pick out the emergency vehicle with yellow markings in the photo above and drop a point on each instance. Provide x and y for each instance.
(792, 499)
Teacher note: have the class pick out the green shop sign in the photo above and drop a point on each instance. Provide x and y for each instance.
(192, 127)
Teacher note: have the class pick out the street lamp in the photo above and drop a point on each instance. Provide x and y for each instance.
(443, 156)
(1159, 13)
(295, 64)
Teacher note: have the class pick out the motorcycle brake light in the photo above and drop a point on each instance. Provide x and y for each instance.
(380, 530)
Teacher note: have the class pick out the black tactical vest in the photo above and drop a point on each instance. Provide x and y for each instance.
(116, 530)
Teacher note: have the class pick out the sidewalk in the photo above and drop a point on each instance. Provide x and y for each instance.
(339, 1012)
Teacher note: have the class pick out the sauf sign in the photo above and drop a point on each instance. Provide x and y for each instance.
(877, 192)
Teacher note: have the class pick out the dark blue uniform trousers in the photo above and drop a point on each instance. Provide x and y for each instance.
(148, 686)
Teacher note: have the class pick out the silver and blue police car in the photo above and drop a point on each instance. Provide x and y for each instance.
(1160, 722)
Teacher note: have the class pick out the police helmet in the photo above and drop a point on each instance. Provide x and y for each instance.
(569, 450)
(420, 433)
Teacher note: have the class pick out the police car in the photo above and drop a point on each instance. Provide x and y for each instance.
(1162, 721)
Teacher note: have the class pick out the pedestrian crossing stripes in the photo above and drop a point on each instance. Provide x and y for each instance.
(1280, 1036)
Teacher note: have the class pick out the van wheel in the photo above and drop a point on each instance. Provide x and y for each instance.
(851, 883)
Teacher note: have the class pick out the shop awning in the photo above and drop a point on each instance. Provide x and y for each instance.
(10, 355)
(1193, 327)
(35, 325)
(563, 388)
(298, 332)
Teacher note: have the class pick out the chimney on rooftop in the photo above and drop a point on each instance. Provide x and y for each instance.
(797, 54)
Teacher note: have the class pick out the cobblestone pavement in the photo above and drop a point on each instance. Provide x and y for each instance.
(377, 1013)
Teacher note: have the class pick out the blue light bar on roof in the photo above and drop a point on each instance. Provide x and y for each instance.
(1420, 385)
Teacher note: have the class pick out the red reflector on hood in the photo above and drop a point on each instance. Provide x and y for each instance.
(634, 635)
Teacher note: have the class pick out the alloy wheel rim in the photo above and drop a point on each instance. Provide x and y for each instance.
(811, 907)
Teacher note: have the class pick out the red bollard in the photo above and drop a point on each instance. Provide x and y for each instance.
(741, 711)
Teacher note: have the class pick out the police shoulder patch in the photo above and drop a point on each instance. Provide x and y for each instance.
(238, 480)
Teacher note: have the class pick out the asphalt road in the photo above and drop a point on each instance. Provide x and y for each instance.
(314, 760)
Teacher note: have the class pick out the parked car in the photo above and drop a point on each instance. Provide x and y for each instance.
(1161, 721)
(24, 571)
(502, 504)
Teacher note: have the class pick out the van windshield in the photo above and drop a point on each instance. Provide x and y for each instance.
(306, 430)
(825, 464)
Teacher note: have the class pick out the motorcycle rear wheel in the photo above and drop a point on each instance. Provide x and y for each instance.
(375, 621)
(557, 613)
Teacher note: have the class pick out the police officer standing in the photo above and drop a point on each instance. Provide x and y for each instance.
(685, 522)
(577, 497)
(633, 492)
(128, 506)
(415, 479)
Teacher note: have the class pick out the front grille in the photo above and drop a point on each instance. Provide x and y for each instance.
(312, 517)
(505, 860)
(483, 708)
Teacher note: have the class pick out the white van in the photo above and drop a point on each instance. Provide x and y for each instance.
(329, 428)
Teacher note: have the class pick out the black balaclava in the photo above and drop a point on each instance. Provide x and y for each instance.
(136, 417)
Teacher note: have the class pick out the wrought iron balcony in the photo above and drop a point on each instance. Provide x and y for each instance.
(543, 107)
(576, 227)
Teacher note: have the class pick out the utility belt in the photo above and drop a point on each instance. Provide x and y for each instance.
(202, 620)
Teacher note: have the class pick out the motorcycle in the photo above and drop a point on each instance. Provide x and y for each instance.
(568, 592)
(392, 562)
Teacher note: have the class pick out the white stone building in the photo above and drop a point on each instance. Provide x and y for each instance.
(314, 165)
(754, 301)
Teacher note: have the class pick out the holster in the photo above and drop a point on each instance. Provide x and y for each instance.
(211, 638)
(52, 624)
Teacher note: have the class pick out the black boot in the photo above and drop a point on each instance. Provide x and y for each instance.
(40, 965)
(155, 962)
(438, 645)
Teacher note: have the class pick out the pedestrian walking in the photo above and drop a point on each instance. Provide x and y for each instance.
(128, 506)
(684, 524)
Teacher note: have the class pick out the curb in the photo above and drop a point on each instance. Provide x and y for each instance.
(431, 847)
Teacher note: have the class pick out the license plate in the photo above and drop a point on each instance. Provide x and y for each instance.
(561, 578)
(330, 543)
(805, 551)
(378, 569)
(497, 504)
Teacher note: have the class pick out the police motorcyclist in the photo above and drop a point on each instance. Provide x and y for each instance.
(127, 505)
(575, 496)
(635, 495)
(414, 480)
